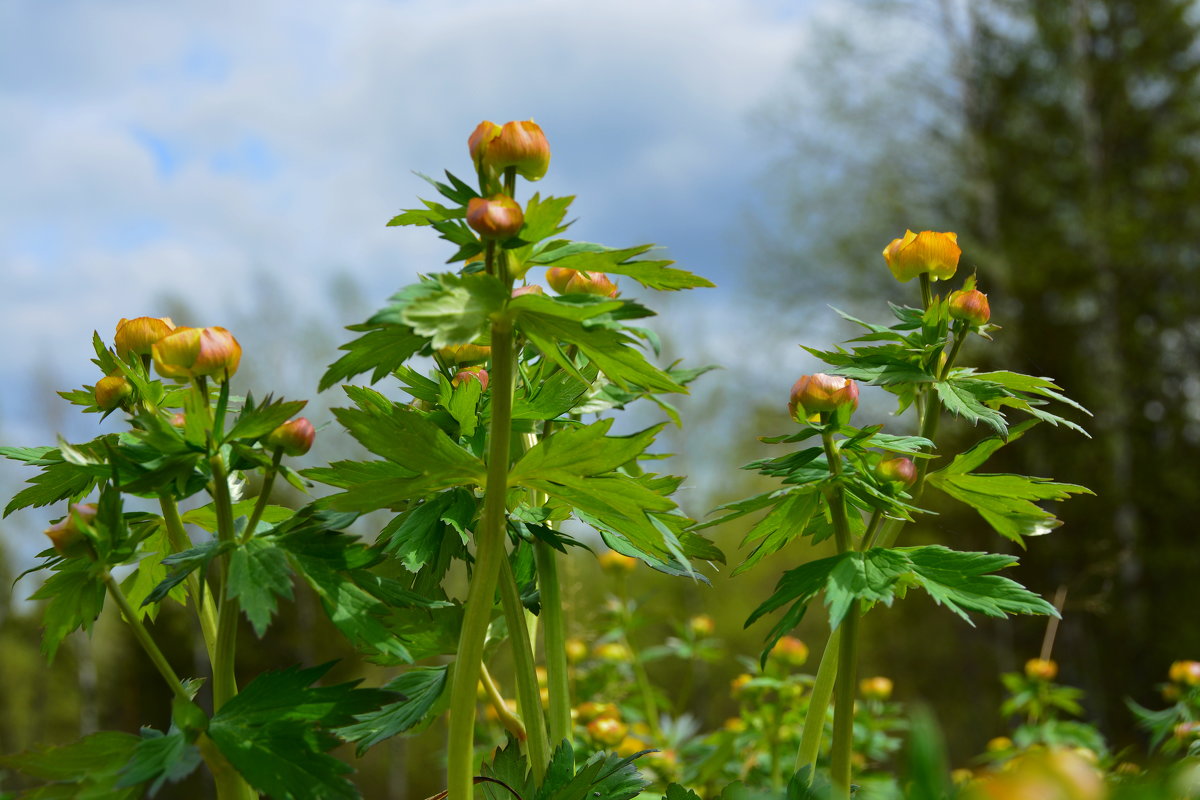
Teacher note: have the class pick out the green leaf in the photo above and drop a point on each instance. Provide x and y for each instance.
(183, 564)
(256, 421)
(415, 537)
(966, 398)
(884, 365)
(33, 456)
(160, 758)
(1006, 502)
(576, 452)
(420, 689)
(56, 482)
(149, 573)
(462, 402)
(786, 521)
(551, 398)
(92, 763)
(543, 218)
(380, 351)
(258, 573)
(960, 581)
(454, 309)
(206, 515)
(867, 576)
(510, 768)
(276, 731)
(76, 595)
(590, 257)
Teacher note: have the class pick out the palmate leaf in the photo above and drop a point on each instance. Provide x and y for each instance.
(452, 309)
(419, 689)
(382, 349)
(968, 398)
(87, 769)
(76, 596)
(788, 520)
(415, 537)
(1008, 502)
(56, 482)
(577, 452)
(590, 257)
(258, 419)
(258, 574)
(962, 582)
(882, 365)
(160, 758)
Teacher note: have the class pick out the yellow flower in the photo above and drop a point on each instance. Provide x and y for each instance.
(188, 353)
(918, 253)
(139, 335)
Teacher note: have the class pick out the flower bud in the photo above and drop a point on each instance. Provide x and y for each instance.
(900, 470)
(607, 731)
(1041, 669)
(559, 277)
(735, 725)
(112, 392)
(178, 420)
(464, 353)
(520, 145)
(139, 335)
(877, 688)
(1187, 730)
(593, 283)
(188, 353)
(471, 373)
(616, 562)
(999, 744)
(970, 306)
(820, 393)
(614, 652)
(592, 710)
(495, 217)
(791, 651)
(738, 686)
(701, 625)
(532, 288)
(295, 437)
(1186, 672)
(924, 252)
(66, 534)
(576, 650)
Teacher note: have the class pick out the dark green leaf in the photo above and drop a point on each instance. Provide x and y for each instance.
(419, 688)
(182, 564)
(961, 582)
(256, 421)
(76, 595)
(415, 537)
(782, 524)
(92, 763)
(966, 398)
(379, 352)
(56, 482)
(160, 758)
(258, 573)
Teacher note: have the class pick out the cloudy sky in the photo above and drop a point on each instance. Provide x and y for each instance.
(152, 149)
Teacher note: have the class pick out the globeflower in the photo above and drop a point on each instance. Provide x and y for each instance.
(66, 535)
(900, 470)
(294, 437)
(112, 392)
(520, 145)
(926, 252)
(565, 280)
(970, 306)
(464, 353)
(139, 335)
(471, 374)
(495, 217)
(1041, 669)
(820, 393)
(188, 353)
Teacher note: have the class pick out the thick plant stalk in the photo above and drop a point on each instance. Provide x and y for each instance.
(529, 699)
(843, 708)
(818, 708)
(554, 625)
(489, 553)
(202, 599)
(224, 679)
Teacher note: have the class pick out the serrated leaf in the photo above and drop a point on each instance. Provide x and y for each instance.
(56, 482)
(76, 594)
(966, 398)
(786, 521)
(590, 257)
(182, 564)
(577, 452)
(1007, 502)
(415, 537)
(92, 763)
(258, 573)
(160, 758)
(454, 309)
(961, 582)
(256, 421)
(419, 689)
(379, 351)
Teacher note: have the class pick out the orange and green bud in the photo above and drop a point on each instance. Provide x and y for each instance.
(464, 353)
(520, 145)
(471, 373)
(577, 650)
(701, 625)
(735, 725)
(791, 651)
(565, 280)
(607, 731)
(67, 534)
(1186, 672)
(999, 744)
(877, 688)
(178, 420)
(138, 335)
(294, 437)
(738, 686)
(495, 217)
(1187, 730)
(613, 652)
(616, 562)
(1041, 669)
(188, 353)
(926, 252)
(821, 393)
(586, 712)
(532, 288)
(970, 306)
(112, 392)
(900, 470)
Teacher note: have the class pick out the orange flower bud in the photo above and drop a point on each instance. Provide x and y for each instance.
(294, 436)
(66, 534)
(738, 686)
(520, 145)
(877, 688)
(559, 277)
(970, 306)
(464, 353)
(616, 562)
(818, 393)
(188, 353)
(999, 744)
(592, 710)
(790, 651)
(1041, 669)
(471, 373)
(1187, 730)
(576, 650)
(901, 470)
(178, 420)
(701, 625)
(1186, 672)
(607, 731)
(112, 392)
(735, 725)
(139, 335)
(565, 280)
(496, 217)
(924, 252)
(532, 288)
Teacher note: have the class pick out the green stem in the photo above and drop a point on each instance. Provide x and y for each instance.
(837, 506)
(529, 698)
(872, 530)
(264, 496)
(224, 679)
(230, 785)
(508, 719)
(960, 335)
(145, 639)
(197, 588)
(489, 553)
(926, 290)
(557, 676)
(640, 676)
(843, 707)
(818, 708)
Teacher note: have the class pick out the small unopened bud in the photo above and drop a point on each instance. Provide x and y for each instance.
(178, 420)
(591, 710)
(970, 306)
(138, 335)
(576, 650)
(66, 534)
(616, 562)
(112, 392)
(607, 731)
(924, 252)
(483, 135)
(532, 288)
(1187, 730)
(613, 652)
(1186, 672)
(701, 625)
(521, 145)
(821, 393)
(471, 374)
(735, 725)
(738, 686)
(565, 280)
(188, 353)
(1041, 669)
(295, 437)
(999, 744)
(495, 217)
(900, 470)
(877, 688)
(791, 651)
(464, 353)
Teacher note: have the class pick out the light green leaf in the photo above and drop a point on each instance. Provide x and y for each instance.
(454, 309)
(577, 452)
(76, 596)
(786, 521)
(1007, 502)
(590, 257)
(381, 350)
(258, 573)
(962, 583)
(966, 397)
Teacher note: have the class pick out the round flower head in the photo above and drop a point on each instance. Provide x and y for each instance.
(924, 252)
(295, 436)
(821, 393)
(520, 145)
(188, 353)
(495, 217)
(139, 335)
(464, 353)
(970, 306)
(112, 392)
